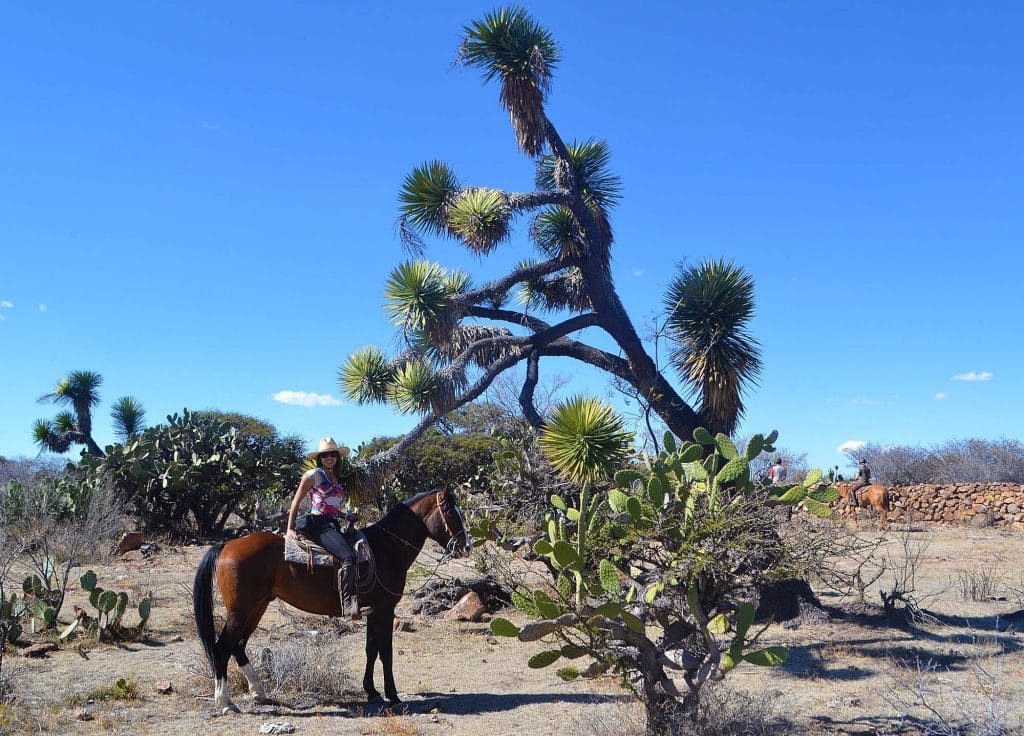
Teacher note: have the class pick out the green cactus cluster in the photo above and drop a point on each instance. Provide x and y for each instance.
(110, 607)
(813, 492)
(11, 612)
(192, 472)
(692, 496)
(42, 599)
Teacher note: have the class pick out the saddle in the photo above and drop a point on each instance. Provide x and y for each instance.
(303, 551)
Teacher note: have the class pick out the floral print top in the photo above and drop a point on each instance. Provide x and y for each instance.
(326, 498)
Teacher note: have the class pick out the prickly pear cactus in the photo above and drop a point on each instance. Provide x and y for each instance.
(689, 497)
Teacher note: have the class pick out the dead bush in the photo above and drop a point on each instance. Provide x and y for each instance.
(978, 585)
(932, 703)
(723, 711)
(307, 667)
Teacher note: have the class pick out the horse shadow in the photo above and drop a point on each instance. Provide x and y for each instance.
(431, 702)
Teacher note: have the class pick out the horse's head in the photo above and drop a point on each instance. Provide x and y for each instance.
(441, 513)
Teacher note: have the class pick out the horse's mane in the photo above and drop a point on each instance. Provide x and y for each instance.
(402, 509)
(418, 497)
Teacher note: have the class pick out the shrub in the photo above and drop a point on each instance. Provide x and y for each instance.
(189, 475)
(302, 667)
(436, 460)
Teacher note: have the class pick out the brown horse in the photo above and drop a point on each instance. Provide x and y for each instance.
(874, 496)
(251, 572)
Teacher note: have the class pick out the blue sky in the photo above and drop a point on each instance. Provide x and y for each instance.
(199, 202)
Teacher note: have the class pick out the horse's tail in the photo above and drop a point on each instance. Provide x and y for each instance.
(202, 601)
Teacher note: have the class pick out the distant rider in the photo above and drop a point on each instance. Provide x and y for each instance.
(863, 480)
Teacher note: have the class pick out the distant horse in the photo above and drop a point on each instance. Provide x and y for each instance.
(251, 572)
(874, 496)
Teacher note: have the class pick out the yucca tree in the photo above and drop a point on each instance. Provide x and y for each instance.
(129, 417)
(457, 337)
(80, 391)
(585, 442)
(709, 307)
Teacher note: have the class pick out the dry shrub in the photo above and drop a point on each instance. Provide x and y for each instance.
(304, 667)
(603, 718)
(930, 701)
(979, 584)
(724, 711)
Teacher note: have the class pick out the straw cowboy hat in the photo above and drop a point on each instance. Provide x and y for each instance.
(327, 444)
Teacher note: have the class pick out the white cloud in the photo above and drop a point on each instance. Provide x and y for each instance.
(851, 446)
(941, 395)
(305, 398)
(973, 376)
(6, 304)
(639, 272)
(865, 401)
(42, 307)
(2, 317)
(214, 127)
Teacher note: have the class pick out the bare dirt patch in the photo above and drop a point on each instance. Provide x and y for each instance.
(842, 676)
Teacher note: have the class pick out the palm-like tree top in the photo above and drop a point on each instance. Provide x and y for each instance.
(510, 45)
(78, 388)
(709, 308)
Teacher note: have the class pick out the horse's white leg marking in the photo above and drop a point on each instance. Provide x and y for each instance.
(255, 683)
(221, 696)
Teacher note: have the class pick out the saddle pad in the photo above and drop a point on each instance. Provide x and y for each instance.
(303, 552)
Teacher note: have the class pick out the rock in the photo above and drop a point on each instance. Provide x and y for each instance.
(129, 541)
(39, 650)
(163, 687)
(469, 608)
(277, 727)
(981, 520)
(133, 556)
(83, 715)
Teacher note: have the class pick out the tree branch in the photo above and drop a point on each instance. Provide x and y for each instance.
(460, 303)
(529, 386)
(508, 315)
(518, 202)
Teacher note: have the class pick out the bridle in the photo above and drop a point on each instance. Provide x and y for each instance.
(450, 547)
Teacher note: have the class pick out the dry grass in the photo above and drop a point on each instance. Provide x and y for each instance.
(392, 725)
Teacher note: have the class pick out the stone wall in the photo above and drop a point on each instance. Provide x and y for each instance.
(974, 504)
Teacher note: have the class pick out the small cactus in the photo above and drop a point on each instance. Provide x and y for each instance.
(88, 580)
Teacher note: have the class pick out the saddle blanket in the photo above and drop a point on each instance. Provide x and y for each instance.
(304, 552)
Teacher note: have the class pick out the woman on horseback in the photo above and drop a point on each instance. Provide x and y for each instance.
(322, 523)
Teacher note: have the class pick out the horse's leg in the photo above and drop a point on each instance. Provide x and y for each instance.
(371, 662)
(383, 622)
(228, 640)
(883, 515)
(259, 693)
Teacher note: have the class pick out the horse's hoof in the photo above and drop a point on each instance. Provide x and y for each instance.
(375, 698)
(229, 708)
(263, 700)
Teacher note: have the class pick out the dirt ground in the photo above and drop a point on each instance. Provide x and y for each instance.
(842, 676)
